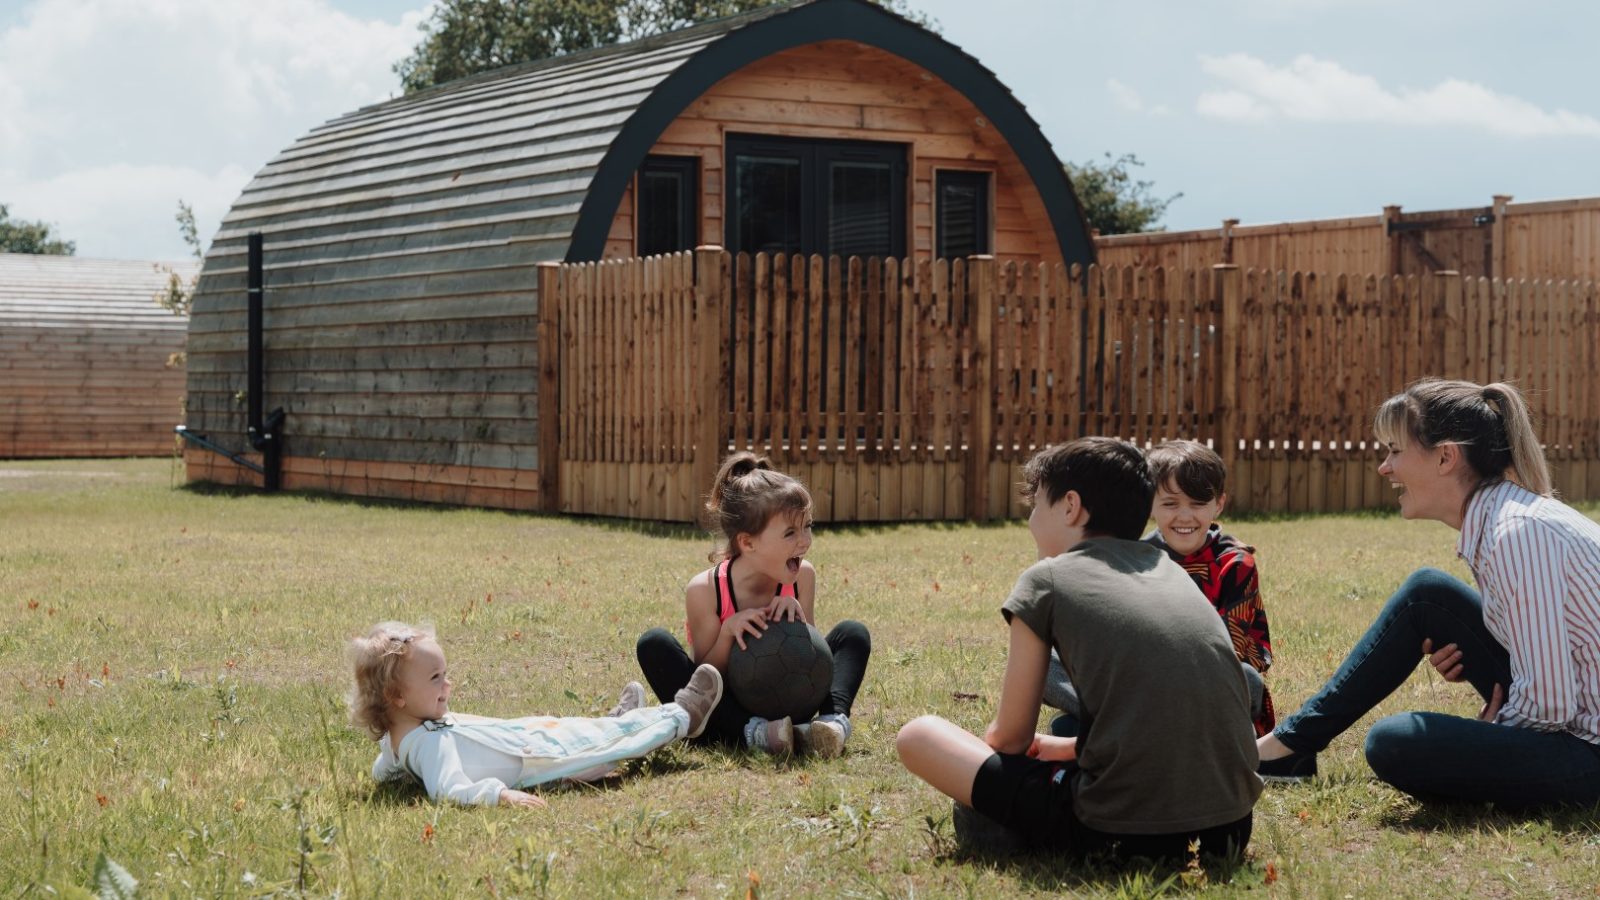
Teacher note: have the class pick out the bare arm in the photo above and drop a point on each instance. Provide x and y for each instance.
(713, 640)
(1021, 692)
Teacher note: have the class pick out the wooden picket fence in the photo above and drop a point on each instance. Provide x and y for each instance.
(901, 390)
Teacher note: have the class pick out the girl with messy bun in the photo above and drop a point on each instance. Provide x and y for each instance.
(1527, 639)
(762, 520)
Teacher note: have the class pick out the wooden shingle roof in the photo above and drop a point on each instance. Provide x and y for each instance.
(43, 291)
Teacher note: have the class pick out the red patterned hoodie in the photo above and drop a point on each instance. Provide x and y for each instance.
(1225, 571)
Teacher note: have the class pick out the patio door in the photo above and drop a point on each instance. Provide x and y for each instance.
(797, 195)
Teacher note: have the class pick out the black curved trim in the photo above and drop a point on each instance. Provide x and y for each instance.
(823, 20)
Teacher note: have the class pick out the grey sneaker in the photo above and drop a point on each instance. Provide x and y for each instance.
(631, 698)
(699, 697)
(775, 736)
(821, 738)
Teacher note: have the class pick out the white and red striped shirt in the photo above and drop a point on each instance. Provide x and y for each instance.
(1537, 563)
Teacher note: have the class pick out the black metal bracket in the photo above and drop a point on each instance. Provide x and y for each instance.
(201, 440)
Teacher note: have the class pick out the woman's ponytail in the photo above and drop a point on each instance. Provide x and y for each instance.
(1527, 456)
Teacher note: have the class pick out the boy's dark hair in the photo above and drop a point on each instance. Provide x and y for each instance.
(1110, 476)
(1193, 467)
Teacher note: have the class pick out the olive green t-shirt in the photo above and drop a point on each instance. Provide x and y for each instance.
(1166, 743)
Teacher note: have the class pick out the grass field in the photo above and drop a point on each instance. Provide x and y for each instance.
(175, 660)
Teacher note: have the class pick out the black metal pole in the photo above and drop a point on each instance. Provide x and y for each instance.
(265, 434)
(254, 387)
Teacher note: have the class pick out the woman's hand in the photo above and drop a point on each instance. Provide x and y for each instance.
(784, 609)
(1491, 707)
(509, 797)
(751, 622)
(1446, 659)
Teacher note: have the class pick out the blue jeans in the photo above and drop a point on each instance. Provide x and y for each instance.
(1431, 755)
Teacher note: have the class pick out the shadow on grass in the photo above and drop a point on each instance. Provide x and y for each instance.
(1473, 818)
(1059, 872)
(989, 845)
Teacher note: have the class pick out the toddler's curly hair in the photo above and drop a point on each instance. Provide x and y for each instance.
(375, 657)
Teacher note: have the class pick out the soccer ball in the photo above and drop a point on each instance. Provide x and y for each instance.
(785, 672)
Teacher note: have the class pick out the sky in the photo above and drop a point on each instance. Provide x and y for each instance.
(111, 111)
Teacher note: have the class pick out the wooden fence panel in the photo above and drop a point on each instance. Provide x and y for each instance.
(917, 389)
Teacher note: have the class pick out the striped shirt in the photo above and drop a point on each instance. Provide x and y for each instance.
(1537, 563)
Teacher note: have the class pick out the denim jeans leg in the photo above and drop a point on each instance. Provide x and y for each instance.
(1429, 605)
(1433, 756)
(1058, 689)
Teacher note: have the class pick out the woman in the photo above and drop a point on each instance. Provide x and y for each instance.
(1529, 643)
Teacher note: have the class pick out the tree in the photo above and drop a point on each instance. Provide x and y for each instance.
(178, 292)
(17, 236)
(177, 295)
(465, 37)
(1112, 201)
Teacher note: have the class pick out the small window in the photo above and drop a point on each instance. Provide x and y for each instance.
(669, 200)
(963, 214)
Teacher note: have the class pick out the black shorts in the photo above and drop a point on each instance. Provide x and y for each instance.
(1033, 798)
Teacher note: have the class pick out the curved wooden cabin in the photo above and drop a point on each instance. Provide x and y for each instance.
(86, 364)
(401, 308)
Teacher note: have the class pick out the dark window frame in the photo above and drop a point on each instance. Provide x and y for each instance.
(687, 168)
(814, 156)
(983, 227)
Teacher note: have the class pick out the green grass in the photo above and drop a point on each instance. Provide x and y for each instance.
(174, 659)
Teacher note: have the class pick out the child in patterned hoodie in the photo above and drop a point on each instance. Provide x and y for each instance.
(1190, 480)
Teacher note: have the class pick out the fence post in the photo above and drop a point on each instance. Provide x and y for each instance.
(711, 330)
(981, 274)
(1497, 237)
(1228, 225)
(1453, 335)
(1228, 288)
(549, 387)
(1391, 242)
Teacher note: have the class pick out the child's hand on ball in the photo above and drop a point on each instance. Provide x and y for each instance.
(750, 622)
(784, 609)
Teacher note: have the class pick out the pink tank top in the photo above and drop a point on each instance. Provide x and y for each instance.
(727, 605)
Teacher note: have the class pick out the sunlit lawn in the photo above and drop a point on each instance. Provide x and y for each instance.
(174, 658)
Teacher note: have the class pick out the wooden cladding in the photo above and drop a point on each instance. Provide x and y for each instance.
(841, 90)
(915, 389)
(89, 390)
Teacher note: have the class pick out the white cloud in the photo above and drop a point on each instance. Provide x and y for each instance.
(1124, 96)
(126, 211)
(1315, 90)
(1129, 99)
(111, 110)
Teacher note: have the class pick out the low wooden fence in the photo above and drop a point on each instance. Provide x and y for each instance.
(902, 390)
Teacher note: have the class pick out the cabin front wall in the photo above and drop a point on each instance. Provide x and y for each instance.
(89, 391)
(845, 90)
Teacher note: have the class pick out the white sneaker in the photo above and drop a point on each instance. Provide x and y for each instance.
(821, 738)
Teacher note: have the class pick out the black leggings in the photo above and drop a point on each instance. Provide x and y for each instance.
(667, 666)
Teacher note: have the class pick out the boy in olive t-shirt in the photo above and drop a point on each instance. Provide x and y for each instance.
(1166, 755)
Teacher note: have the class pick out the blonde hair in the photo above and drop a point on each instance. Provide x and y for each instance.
(1489, 422)
(748, 492)
(375, 657)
